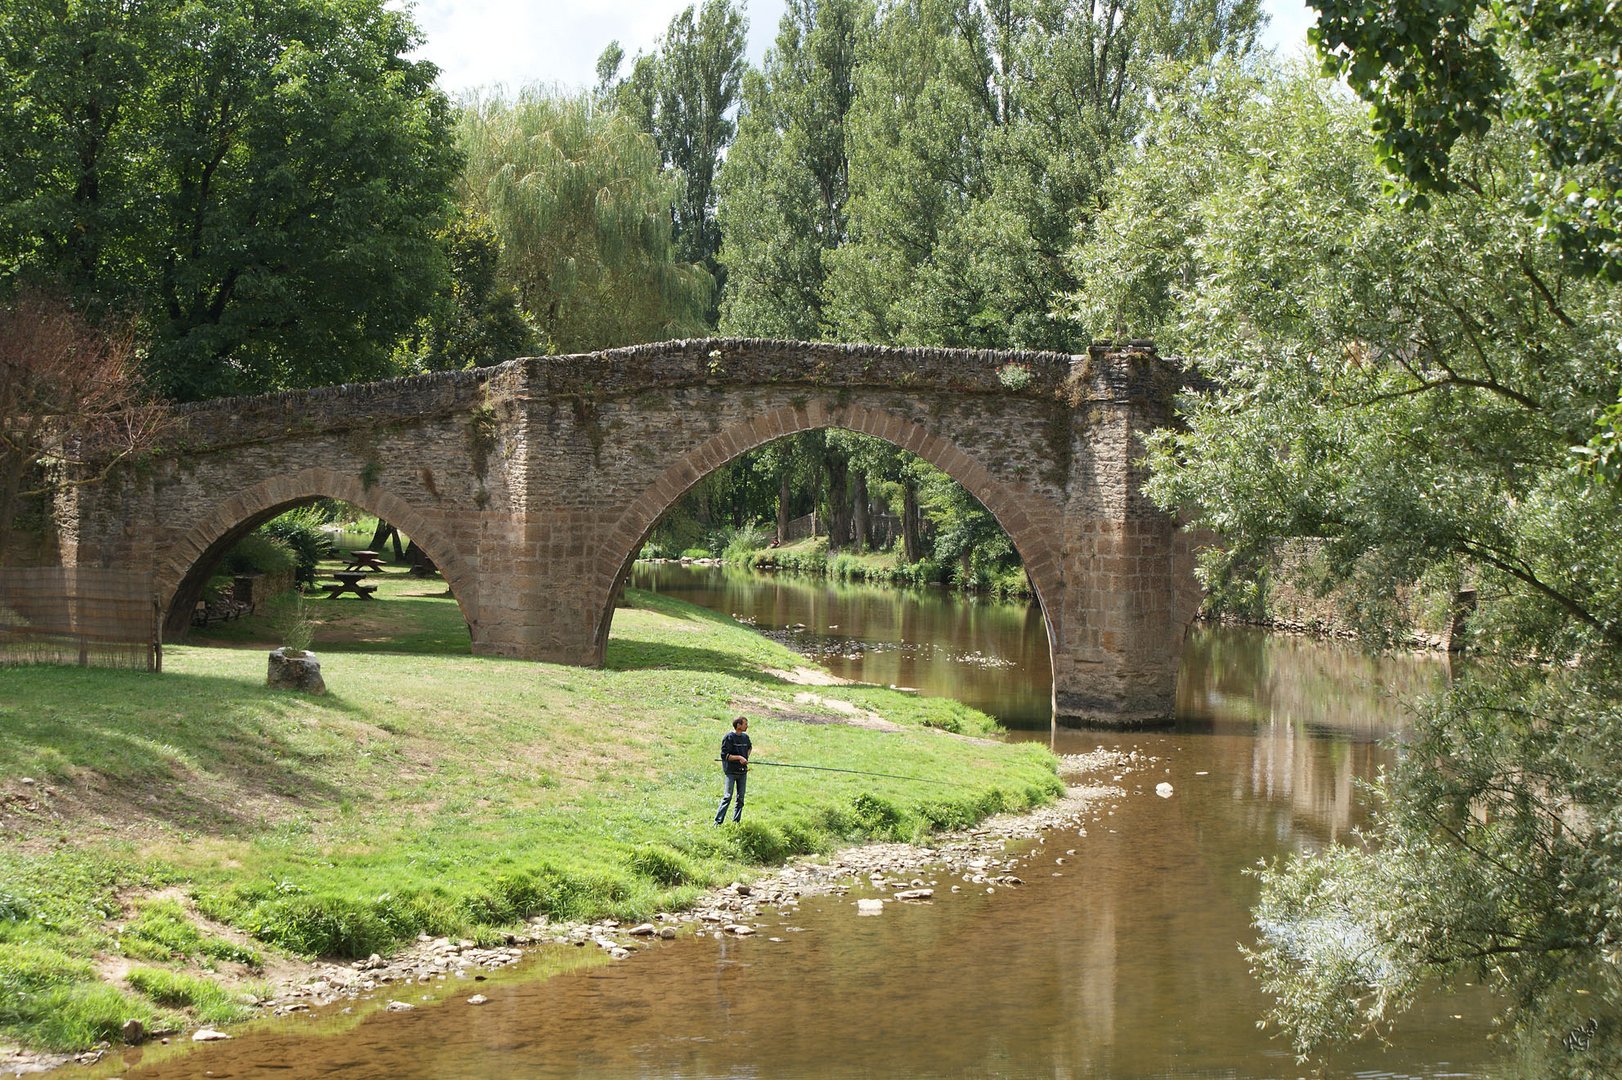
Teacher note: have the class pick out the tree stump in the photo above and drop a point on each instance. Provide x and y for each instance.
(301, 673)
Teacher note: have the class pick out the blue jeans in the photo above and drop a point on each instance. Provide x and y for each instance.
(734, 780)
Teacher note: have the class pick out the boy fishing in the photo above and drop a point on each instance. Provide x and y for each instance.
(735, 767)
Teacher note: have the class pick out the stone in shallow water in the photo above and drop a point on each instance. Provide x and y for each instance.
(477, 999)
(400, 1006)
(208, 1035)
(870, 907)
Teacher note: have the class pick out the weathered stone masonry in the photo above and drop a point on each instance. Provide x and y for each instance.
(533, 485)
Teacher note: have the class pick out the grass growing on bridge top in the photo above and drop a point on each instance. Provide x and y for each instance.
(426, 793)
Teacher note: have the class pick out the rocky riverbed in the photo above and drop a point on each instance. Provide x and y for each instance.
(971, 859)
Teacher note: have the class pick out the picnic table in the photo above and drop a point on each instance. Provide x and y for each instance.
(365, 560)
(349, 581)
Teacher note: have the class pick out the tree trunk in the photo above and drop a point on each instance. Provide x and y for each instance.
(910, 545)
(783, 495)
(838, 504)
(861, 527)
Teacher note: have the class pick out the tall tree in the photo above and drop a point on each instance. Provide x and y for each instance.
(982, 131)
(582, 205)
(261, 183)
(783, 193)
(684, 94)
(1403, 389)
(478, 321)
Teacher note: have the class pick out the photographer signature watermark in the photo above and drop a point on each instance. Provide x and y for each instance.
(1576, 1040)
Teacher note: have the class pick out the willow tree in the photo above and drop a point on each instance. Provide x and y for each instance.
(582, 205)
(683, 94)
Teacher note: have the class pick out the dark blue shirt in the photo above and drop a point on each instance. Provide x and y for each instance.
(736, 742)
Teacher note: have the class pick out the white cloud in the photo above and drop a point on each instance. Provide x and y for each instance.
(482, 43)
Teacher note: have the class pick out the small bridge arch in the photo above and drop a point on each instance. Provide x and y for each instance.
(187, 561)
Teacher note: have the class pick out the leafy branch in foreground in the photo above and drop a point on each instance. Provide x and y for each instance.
(1401, 390)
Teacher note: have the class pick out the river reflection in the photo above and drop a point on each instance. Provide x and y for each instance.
(1121, 960)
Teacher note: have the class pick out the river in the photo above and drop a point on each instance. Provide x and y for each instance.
(1120, 960)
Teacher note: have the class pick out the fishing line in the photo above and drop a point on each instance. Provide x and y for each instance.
(857, 772)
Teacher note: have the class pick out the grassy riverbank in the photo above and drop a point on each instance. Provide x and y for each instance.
(164, 836)
(811, 556)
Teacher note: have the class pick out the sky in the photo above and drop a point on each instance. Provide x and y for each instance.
(513, 43)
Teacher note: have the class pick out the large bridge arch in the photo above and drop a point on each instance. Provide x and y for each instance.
(189, 559)
(1033, 524)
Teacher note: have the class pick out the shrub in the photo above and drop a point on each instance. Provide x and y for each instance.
(695, 553)
(321, 926)
(1014, 376)
(761, 843)
(878, 815)
(301, 531)
(259, 553)
(664, 866)
(847, 567)
(735, 544)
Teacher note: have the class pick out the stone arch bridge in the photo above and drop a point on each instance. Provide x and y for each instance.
(532, 485)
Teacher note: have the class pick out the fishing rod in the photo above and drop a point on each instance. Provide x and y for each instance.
(858, 772)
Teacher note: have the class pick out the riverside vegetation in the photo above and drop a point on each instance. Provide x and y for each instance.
(171, 840)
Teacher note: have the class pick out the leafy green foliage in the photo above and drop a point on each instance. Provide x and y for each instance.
(259, 553)
(301, 530)
(479, 321)
(578, 197)
(979, 135)
(1438, 71)
(784, 189)
(261, 183)
(1399, 390)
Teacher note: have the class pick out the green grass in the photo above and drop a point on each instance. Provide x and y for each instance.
(205, 1001)
(430, 791)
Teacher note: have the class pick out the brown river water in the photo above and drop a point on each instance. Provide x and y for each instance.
(1120, 961)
